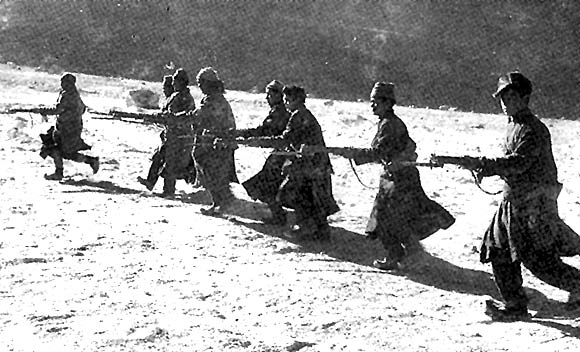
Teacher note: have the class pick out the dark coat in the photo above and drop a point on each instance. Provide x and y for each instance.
(527, 218)
(215, 166)
(178, 135)
(307, 185)
(401, 210)
(69, 123)
(264, 185)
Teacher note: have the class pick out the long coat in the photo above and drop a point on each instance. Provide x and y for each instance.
(401, 212)
(527, 218)
(264, 185)
(69, 122)
(178, 135)
(307, 186)
(215, 166)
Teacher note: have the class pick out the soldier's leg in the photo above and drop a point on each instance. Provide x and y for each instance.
(157, 163)
(508, 279)
(169, 186)
(81, 158)
(58, 174)
(549, 267)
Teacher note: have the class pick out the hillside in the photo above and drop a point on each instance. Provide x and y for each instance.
(97, 263)
(439, 53)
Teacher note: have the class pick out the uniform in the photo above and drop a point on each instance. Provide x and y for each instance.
(64, 141)
(402, 214)
(264, 185)
(307, 185)
(179, 139)
(526, 228)
(214, 116)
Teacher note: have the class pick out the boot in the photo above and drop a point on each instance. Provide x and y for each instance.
(94, 163)
(386, 264)
(56, 176)
(499, 312)
(145, 183)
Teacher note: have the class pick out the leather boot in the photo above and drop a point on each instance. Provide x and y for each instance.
(56, 176)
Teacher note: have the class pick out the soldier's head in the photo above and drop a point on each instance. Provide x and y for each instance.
(167, 85)
(180, 80)
(294, 97)
(274, 92)
(382, 98)
(67, 81)
(209, 81)
(513, 91)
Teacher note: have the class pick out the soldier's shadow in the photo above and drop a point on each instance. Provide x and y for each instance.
(424, 268)
(97, 186)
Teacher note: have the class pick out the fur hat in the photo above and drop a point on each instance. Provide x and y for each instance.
(515, 80)
(384, 91)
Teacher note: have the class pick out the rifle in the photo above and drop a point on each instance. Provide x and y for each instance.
(471, 163)
(125, 116)
(38, 110)
(466, 162)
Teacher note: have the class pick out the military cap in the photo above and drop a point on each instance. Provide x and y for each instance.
(68, 78)
(181, 75)
(208, 74)
(384, 90)
(514, 80)
(275, 86)
(295, 92)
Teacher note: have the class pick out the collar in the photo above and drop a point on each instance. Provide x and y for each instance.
(521, 116)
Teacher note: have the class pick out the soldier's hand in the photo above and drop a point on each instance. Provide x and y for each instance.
(307, 149)
(219, 144)
(471, 163)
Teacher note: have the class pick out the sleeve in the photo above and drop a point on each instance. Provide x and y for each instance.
(525, 154)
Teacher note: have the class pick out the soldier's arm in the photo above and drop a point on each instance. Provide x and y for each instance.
(521, 160)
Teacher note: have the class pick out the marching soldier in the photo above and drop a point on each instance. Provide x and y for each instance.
(178, 134)
(526, 228)
(264, 185)
(215, 164)
(158, 158)
(307, 184)
(63, 141)
(402, 213)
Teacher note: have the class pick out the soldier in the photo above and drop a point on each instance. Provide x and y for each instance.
(307, 184)
(402, 213)
(214, 118)
(264, 185)
(158, 158)
(178, 133)
(63, 141)
(526, 228)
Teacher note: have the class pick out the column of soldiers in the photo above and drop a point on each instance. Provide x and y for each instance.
(526, 228)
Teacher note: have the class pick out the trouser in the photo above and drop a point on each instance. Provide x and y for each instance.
(157, 162)
(59, 156)
(546, 265)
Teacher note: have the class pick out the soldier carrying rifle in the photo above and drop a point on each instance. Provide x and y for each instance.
(306, 185)
(178, 137)
(63, 141)
(214, 117)
(158, 160)
(264, 185)
(402, 214)
(526, 228)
